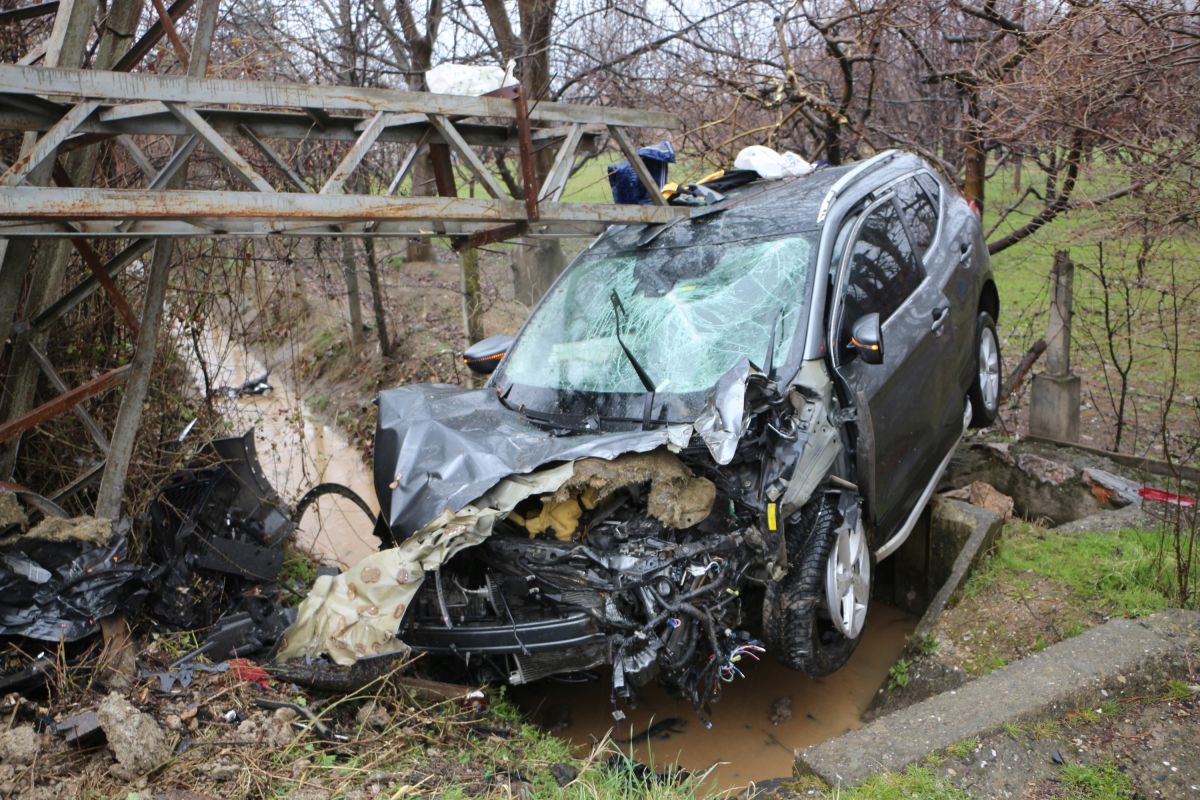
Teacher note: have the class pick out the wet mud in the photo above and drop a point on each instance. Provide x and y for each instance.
(758, 724)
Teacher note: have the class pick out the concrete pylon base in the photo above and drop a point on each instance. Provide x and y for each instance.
(1054, 407)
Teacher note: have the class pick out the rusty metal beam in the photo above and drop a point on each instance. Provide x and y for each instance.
(560, 171)
(355, 154)
(528, 168)
(48, 144)
(635, 160)
(28, 12)
(223, 149)
(67, 205)
(274, 158)
(110, 86)
(62, 403)
(92, 259)
(82, 290)
(168, 23)
(60, 385)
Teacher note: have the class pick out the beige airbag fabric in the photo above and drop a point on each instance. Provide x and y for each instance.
(357, 613)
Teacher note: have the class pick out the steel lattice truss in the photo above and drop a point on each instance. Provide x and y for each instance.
(72, 108)
(244, 124)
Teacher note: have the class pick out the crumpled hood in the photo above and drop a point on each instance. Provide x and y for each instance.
(440, 447)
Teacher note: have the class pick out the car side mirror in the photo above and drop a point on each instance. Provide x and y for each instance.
(867, 338)
(484, 355)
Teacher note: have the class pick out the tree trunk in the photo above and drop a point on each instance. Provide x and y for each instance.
(377, 298)
(536, 263)
(353, 299)
(419, 248)
(472, 296)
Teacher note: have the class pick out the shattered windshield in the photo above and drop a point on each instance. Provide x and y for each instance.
(689, 313)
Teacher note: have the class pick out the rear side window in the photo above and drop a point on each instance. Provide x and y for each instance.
(883, 270)
(919, 213)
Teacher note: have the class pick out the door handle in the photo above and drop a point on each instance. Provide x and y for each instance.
(964, 254)
(939, 319)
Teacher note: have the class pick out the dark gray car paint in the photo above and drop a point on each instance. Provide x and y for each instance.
(440, 447)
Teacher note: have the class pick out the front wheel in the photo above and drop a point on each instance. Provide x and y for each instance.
(985, 388)
(814, 616)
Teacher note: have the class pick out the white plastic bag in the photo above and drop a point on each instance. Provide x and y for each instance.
(468, 80)
(763, 160)
(795, 165)
(771, 165)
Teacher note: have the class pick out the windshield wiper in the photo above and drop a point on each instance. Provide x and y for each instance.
(768, 366)
(643, 376)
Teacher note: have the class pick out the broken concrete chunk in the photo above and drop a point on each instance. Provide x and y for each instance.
(136, 740)
(18, 746)
(1044, 470)
(984, 495)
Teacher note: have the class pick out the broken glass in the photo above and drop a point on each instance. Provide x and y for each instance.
(692, 313)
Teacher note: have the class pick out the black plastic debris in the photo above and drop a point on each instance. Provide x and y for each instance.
(218, 529)
(78, 726)
(58, 580)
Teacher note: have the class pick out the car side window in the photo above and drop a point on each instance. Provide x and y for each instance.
(883, 271)
(919, 212)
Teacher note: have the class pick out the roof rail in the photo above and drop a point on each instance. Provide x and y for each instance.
(850, 177)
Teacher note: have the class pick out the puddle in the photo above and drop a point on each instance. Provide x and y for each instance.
(743, 741)
(297, 451)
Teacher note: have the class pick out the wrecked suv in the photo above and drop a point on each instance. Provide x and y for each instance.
(696, 448)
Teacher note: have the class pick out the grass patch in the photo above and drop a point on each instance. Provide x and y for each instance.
(1103, 781)
(1178, 690)
(962, 750)
(915, 782)
(1118, 573)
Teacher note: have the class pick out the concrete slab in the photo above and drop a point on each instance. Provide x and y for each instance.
(965, 534)
(1122, 656)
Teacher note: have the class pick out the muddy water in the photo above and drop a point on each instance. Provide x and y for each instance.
(297, 451)
(743, 743)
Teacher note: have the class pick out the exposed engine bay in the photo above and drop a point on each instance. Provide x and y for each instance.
(633, 562)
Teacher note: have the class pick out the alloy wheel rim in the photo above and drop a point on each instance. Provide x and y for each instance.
(848, 581)
(989, 368)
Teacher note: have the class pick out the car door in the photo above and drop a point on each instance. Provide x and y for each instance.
(947, 270)
(899, 404)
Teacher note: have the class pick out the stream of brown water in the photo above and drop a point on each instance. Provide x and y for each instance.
(743, 743)
(297, 451)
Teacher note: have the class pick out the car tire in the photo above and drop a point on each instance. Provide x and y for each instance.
(985, 386)
(796, 620)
